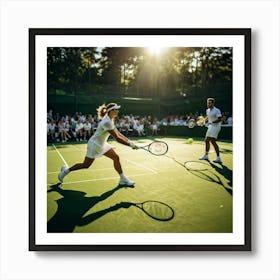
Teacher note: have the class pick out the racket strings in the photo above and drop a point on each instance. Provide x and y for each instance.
(158, 148)
(158, 210)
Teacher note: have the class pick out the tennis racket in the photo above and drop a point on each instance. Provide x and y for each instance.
(200, 121)
(157, 148)
(156, 209)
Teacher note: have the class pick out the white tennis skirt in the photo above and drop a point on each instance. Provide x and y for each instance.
(96, 151)
(213, 131)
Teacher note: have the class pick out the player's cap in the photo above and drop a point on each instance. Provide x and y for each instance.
(115, 107)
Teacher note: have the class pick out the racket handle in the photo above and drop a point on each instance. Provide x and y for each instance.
(132, 145)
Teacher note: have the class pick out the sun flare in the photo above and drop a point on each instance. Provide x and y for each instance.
(155, 50)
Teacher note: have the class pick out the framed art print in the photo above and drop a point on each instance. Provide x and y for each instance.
(140, 139)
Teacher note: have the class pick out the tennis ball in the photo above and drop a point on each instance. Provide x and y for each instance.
(190, 141)
(221, 206)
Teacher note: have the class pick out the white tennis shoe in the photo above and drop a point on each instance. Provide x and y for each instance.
(217, 160)
(205, 157)
(64, 171)
(124, 181)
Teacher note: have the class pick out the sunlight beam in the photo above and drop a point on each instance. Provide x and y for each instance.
(155, 50)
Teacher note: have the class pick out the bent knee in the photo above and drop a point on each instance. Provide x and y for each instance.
(116, 158)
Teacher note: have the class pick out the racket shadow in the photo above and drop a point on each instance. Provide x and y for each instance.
(156, 210)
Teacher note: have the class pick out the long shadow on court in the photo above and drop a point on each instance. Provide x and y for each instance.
(72, 207)
(223, 170)
(211, 176)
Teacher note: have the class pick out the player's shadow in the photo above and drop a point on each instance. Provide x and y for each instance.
(211, 176)
(225, 151)
(223, 170)
(72, 207)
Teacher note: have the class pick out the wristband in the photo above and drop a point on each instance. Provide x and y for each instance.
(131, 144)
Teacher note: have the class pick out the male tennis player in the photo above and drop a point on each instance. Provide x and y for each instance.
(98, 146)
(214, 117)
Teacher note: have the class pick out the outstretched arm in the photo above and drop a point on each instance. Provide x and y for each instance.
(122, 139)
(121, 135)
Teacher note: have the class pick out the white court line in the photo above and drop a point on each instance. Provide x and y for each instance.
(70, 147)
(92, 170)
(75, 147)
(101, 179)
(142, 166)
(62, 158)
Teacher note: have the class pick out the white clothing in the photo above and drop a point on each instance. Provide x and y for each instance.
(87, 126)
(97, 144)
(51, 127)
(79, 126)
(213, 115)
(135, 124)
(213, 131)
(230, 121)
(213, 128)
(61, 126)
(140, 127)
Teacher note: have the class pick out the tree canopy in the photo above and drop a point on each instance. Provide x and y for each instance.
(137, 71)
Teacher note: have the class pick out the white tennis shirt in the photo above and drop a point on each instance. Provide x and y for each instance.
(101, 134)
(213, 115)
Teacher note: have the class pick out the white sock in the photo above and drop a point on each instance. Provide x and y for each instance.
(122, 176)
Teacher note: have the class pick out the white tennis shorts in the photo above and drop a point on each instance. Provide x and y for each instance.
(96, 151)
(213, 131)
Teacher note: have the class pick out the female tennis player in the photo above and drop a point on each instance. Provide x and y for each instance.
(98, 146)
(214, 117)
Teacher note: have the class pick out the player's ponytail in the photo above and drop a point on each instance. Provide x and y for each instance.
(101, 111)
(104, 109)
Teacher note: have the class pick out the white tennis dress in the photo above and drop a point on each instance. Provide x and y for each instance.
(213, 128)
(97, 144)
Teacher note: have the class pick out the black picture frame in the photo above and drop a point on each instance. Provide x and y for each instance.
(34, 166)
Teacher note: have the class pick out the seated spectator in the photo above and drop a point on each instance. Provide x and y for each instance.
(87, 130)
(172, 120)
(79, 130)
(140, 128)
(224, 119)
(181, 121)
(51, 130)
(50, 115)
(72, 127)
(155, 127)
(62, 129)
(94, 124)
(230, 120)
(125, 126)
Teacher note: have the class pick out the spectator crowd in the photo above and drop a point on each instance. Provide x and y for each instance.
(80, 127)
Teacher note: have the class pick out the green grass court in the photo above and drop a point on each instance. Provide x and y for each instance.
(89, 199)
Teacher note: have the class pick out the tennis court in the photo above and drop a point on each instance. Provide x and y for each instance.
(90, 200)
